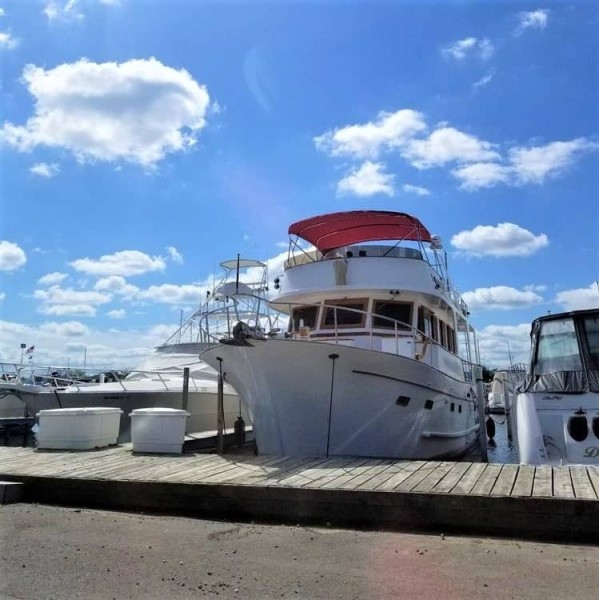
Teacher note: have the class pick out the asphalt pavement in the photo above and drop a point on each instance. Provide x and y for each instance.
(54, 553)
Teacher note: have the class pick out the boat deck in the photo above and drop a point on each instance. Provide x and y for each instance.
(515, 500)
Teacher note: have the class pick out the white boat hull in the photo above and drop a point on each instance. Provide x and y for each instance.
(374, 404)
(202, 404)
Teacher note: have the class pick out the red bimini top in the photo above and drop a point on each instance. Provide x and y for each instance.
(328, 232)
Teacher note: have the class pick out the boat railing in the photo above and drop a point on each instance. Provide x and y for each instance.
(401, 331)
(59, 377)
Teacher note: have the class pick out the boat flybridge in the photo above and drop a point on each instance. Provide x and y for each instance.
(556, 416)
(379, 354)
(158, 380)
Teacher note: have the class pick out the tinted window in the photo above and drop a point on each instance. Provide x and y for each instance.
(591, 329)
(307, 314)
(399, 311)
(558, 348)
(344, 317)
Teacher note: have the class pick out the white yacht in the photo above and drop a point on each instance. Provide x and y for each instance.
(556, 413)
(378, 357)
(158, 380)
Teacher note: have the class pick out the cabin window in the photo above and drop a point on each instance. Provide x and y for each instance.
(346, 313)
(398, 311)
(434, 329)
(451, 346)
(558, 348)
(591, 329)
(443, 333)
(306, 316)
(424, 320)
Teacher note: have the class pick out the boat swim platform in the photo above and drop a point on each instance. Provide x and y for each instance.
(552, 503)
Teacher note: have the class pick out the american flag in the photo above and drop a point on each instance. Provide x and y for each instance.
(30, 350)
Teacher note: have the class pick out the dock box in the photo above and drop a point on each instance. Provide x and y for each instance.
(78, 428)
(160, 430)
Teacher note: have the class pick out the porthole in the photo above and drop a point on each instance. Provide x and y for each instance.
(402, 401)
(428, 404)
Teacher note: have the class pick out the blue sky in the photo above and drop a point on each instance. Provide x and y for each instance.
(143, 142)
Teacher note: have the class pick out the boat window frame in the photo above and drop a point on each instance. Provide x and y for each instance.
(314, 326)
(390, 324)
(330, 303)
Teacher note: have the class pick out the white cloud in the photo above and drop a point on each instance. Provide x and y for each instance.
(2, 13)
(174, 255)
(535, 19)
(115, 284)
(447, 144)
(168, 293)
(470, 46)
(52, 278)
(580, 298)
(65, 329)
(119, 313)
(125, 263)
(45, 169)
(390, 130)
(484, 81)
(500, 297)
(534, 165)
(481, 175)
(137, 111)
(366, 180)
(70, 10)
(7, 40)
(504, 239)
(12, 256)
(416, 189)
(67, 301)
(501, 345)
(2, 296)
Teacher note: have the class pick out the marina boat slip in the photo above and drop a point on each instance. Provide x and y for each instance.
(556, 416)
(379, 355)
(158, 381)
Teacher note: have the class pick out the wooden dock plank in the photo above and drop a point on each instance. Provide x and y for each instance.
(451, 479)
(583, 488)
(524, 481)
(316, 471)
(337, 476)
(505, 482)
(469, 479)
(392, 476)
(296, 466)
(593, 473)
(543, 482)
(487, 480)
(562, 483)
(410, 482)
(364, 474)
(247, 471)
(434, 478)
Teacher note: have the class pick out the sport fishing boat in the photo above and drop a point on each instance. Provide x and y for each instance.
(556, 414)
(379, 354)
(159, 380)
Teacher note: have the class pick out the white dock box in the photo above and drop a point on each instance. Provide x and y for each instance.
(158, 430)
(78, 428)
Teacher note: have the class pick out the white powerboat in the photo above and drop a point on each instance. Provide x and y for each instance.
(379, 355)
(556, 413)
(159, 380)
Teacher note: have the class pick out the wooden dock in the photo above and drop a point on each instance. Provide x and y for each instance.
(477, 498)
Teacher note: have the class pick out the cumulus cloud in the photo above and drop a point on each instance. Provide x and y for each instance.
(69, 10)
(67, 301)
(532, 165)
(415, 189)
(52, 278)
(2, 296)
(66, 329)
(502, 345)
(115, 284)
(12, 256)
(45, 169)
(500, 297)
(174, 255)
(535, 164)
(388, 131)
(580, 298)
(445, 145)
(168, 293)
(124, 263)
(535, 19)
(368, 179)
(7, 40)
(504, 239)
(118, 313)
(136, 111)
(469, 47)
